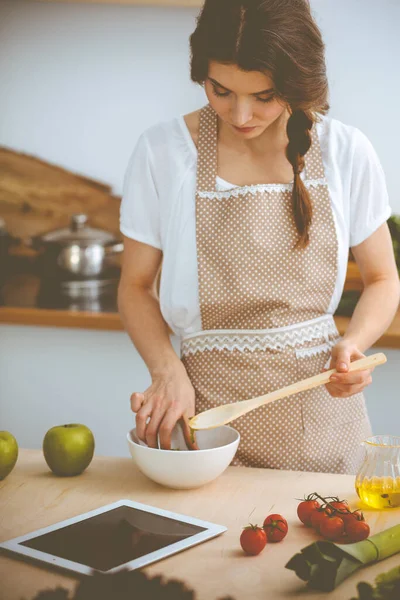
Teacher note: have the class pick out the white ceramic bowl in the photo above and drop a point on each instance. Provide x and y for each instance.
(185, 469)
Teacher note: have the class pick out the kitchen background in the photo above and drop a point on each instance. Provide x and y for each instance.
(78, 84)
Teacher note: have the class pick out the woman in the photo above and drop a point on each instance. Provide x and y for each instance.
(251, 205)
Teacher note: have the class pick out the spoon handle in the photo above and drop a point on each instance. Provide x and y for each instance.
(221, 415)
(322, 378)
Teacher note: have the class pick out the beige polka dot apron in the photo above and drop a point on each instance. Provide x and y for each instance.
(264, 318)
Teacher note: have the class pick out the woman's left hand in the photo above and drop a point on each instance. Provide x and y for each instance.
(344, 384)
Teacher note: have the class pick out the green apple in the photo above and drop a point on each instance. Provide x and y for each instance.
(68, 449)
(8, 453)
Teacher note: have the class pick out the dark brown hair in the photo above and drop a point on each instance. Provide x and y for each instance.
(279, 38)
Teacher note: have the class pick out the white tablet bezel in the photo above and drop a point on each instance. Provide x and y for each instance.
(211, 530)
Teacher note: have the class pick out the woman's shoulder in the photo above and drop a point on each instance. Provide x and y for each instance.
(192, 123)
(166, 152)
(341, 139)
(175, 137)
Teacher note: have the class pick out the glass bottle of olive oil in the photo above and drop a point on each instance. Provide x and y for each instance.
(378, 480)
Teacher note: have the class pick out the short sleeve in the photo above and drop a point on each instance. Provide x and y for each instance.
(139, 212)
(369, 202)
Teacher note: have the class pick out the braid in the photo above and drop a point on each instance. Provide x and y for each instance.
(298, 129)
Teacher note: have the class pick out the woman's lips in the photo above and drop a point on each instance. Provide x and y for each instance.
(244, 129)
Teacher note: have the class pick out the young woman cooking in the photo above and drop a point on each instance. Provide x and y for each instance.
(251, 204)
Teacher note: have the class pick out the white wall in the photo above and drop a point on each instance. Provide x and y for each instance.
(51, 376)
(79, 82)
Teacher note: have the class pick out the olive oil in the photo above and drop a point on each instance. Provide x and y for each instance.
(379, 492)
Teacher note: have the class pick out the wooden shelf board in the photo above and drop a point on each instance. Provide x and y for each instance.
(60, 318)
(183, 3)
(112, 322)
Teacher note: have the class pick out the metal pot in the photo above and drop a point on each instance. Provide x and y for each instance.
(78, 251)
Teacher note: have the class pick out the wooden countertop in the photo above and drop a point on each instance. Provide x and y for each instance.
(26, 314)
(32, 497)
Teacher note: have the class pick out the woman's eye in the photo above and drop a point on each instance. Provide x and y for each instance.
(220, 94)
(265, 100)
(225, 94)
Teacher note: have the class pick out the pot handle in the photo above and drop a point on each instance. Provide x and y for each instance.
(115, 248)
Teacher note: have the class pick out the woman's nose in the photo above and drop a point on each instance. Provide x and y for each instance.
(241, 113)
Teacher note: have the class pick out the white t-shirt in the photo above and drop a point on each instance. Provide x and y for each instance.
(158, 206)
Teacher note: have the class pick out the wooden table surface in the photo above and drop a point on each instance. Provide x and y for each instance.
(32, 497)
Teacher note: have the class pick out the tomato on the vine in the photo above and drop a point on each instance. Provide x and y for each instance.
(357, 515)
(332, 528)
(276, 527)
(342, 505)
(333, 518)
(317, 517)
(305, 510)
(253, 539)
(357, 530)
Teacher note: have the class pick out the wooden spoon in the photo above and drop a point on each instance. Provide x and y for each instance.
(221, 415)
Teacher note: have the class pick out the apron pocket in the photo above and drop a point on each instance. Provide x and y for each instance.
(319, 409)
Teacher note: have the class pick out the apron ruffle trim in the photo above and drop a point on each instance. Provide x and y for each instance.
(261, 187)
(315, 350)
(293, 336)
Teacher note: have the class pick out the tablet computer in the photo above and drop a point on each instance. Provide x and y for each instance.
(121, 535)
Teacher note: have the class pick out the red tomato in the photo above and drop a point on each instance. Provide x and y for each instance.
(276, 528)
(253, 539)
(357, 515)
(342, 506)
(332, 528)
(357, 530)
(305, 510)
(317, 516)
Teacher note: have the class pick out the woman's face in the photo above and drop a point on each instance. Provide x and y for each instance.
(244, 100)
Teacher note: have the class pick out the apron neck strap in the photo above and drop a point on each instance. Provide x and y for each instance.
(207, 148)
(314, 167)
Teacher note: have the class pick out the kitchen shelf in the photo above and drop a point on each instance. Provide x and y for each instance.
(60, 318)
(194, 3)
(110, 321)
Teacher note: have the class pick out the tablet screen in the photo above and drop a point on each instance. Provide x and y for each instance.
(113, 538)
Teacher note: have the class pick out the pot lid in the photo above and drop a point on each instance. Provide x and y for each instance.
(78, 232)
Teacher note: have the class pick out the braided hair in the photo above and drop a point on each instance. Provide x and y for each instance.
(299, 133)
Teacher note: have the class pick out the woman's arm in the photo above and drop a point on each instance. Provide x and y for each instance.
(373, 314)
(379, 300)
(171, 395)
(139, 307)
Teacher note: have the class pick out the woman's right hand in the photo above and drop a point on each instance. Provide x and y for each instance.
(170, 397)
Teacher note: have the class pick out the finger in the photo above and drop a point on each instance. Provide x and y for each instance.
(333, 390)
(137, 400)
(151, 432)
(141, 420)
(356, 377)
(342, 356)
(167, 424)
(190, 436)
(341, 361)
(357, 355)
(347, 391)
(337, 393)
